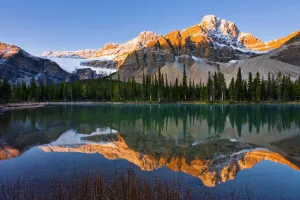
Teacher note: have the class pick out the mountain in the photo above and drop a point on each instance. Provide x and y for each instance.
(18, 65)
(255, 44)
(212, 45)
(285, 59)
(290, 52)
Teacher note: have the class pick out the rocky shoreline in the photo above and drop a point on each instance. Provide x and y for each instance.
(13, 106)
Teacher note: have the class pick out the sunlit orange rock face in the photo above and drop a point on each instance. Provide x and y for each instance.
(255, 44)
(7, 51)
(213, 39)
(211, 171)
(7, 152)
(290, 53)
(209, 34)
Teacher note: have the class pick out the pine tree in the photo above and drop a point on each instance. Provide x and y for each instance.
(269, 87)
(159, 86)
(273, 88)
(190, 90)
(250, 87)
(193, 91)
(184, 83)
(245, 89)
(239, 86)
(297, 89)
(84, 92)
(279, 86)
(222, 86)
(216, 87)
(162, 87)
(32, 90)
(149, 88)
(176, 90)
(117, 89)
(232, 90)
(257, 87)
(5, 91)
(263, 89)
(167, 90)
(210, 88)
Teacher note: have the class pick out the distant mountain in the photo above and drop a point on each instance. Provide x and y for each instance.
(255, 44)
(290, 52)
(18, 65)
(285, 59)
(212, 45)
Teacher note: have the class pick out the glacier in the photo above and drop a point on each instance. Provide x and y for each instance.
(70, 64)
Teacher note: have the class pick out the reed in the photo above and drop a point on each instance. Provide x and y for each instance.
(125, 185)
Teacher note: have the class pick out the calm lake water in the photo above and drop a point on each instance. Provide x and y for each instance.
(219, 147)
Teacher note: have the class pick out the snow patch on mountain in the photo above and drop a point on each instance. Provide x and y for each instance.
(86, 53)
(72, 64)
(198, 60)
(71, 137)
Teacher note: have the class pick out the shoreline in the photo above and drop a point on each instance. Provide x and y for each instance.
(17, 106)
(174, 102)
(25, 105)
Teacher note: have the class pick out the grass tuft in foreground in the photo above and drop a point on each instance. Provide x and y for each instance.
(125, 185)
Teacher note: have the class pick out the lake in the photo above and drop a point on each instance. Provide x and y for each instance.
(220, 148)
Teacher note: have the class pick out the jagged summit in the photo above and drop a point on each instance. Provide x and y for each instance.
(15, 63)
(7, 50)
(212, 23)
(214, 44)
(46, 53)
(111, 49)
(211, 32)
(211, 44)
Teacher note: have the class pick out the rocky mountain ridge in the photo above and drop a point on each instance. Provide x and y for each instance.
(211, 34)
(212, 45)
(18, 65)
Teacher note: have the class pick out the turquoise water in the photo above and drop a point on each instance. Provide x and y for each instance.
(219, 147)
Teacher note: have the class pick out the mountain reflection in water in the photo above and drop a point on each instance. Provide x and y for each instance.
(210, 142)
(223, 165)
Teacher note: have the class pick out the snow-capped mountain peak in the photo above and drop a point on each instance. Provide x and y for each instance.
(212, 23)
(212, 39)
(46, 53)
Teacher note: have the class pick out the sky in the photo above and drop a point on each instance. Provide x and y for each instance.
(60, 25)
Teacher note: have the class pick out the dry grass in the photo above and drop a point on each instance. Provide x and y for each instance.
(125, 185)
(92, 186)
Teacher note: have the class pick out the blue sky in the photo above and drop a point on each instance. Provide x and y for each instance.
(57, 25)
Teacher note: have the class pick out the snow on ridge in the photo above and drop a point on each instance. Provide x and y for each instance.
(103, 58)
(70, 64)
(198, 60)
(78, 53)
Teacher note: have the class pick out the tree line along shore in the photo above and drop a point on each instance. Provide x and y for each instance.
(157, 88)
